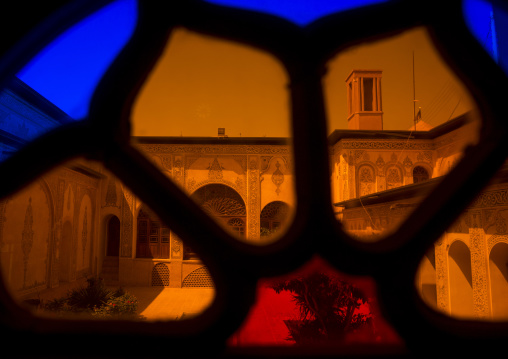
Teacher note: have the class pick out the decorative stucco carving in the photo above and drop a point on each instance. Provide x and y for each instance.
(215, 149)
(27, 238)
(425, 156)
(178, 170)
(111, 195)
(491, 198)
(380, 162)
(253, 196)
(479, 266)
(215, 170)
(443, 296)
(84, 233)
(421, 145)
(277, 177)
(128, 206)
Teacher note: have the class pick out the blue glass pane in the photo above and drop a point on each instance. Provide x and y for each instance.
(67, 71)
(25, 115)
(301, 12)
(489, 25)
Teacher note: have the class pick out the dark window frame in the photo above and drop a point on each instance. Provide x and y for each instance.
(154, 245)
(392, 262)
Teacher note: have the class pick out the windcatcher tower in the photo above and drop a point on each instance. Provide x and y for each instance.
(364, 100)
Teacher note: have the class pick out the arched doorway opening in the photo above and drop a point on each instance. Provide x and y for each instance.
(498, 267)
(224, 204)
(427, 278)
(420, 174)
(64, 258)
(460, 280)
(113, 237)
(273, 217)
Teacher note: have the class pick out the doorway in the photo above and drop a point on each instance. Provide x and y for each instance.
(113, 237)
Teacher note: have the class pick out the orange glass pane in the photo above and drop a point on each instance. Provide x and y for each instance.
(465, 273)
(214, 117)
(77, 241)
(399, 120)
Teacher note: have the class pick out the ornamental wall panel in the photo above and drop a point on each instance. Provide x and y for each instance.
(26, 238)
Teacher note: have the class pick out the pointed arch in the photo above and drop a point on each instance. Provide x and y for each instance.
(498, 273)
(460, 280)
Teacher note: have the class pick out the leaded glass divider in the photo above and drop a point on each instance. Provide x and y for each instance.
(303, 52)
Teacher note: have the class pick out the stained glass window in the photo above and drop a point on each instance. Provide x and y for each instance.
(391, 262)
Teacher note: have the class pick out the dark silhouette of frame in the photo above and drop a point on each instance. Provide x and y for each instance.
(304, 52)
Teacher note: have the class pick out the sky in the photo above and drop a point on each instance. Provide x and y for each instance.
(202, 83)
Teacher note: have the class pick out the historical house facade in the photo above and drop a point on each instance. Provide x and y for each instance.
(79, 220)
(379, 177)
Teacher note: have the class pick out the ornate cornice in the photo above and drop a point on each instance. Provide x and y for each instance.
(387, 144)
(491, 198)
(214, 149)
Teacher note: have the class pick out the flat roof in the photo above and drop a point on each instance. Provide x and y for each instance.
(190, 140)
(394, 194)
(437, 131)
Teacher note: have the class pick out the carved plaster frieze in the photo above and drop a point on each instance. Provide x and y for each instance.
(253, 198)
(425, 156)
(215, 170)
(491, 198)
(277, 178)
(388, 144)
(380, 162)
(216, 149)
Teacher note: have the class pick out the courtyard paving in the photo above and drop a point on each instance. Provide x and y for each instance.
(161, 303)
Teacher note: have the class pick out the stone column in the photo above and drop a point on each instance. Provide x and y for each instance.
(479, 266)
(57, 233)
(254, 197)
(443, 295)
(127, 231)
(175, 267)
(351, 176)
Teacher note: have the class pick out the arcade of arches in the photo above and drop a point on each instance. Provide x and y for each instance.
(79, 220)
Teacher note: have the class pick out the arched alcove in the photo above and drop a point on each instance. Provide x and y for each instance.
(393, 175)
(160, 275)
(198, 278)
(273, 216)
(366, 180)
(223, 203)
(64, 270)
(420, 174)
(498, 267)
(427, 278)
(460, 280)
(113, 236)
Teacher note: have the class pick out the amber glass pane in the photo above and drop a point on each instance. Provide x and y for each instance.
(78, 231)
(315, 306)
(465, 273)
(382, 165)
(214, 116)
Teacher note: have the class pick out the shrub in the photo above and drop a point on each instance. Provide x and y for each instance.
(328, 307)
(96, 300)
(89, 297)
(124, 305)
